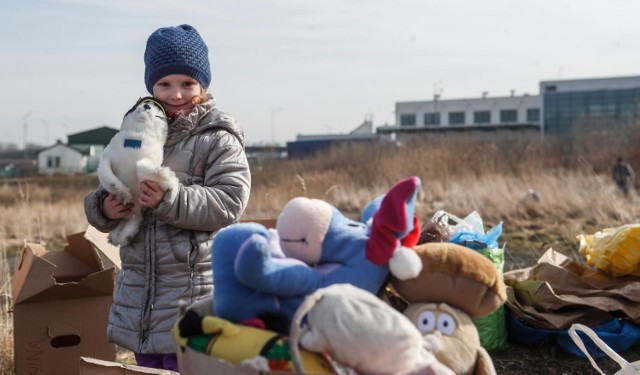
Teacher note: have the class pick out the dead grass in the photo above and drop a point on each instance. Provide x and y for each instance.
(6, 322)
(543, 198)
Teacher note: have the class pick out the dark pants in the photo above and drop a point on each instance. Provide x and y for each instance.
(160, 361)
(624, 186)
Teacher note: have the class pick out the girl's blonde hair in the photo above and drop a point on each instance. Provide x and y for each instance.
(200, 98)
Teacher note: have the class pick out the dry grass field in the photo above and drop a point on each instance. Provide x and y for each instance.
(543, 198)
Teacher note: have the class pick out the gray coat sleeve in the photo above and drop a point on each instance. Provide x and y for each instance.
(93, 211)
(220, 200)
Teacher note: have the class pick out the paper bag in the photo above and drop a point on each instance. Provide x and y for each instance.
(558, 292)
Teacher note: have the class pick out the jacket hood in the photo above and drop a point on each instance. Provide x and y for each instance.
(203, 117)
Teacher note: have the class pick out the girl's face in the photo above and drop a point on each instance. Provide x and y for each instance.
(176, 91)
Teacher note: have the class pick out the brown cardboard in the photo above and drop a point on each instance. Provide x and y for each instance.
(61, 307)
(93, 366)
(109, 254)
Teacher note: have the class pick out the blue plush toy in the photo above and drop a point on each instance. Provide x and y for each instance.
(260, 271)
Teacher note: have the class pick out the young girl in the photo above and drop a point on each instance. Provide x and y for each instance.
(169, 259)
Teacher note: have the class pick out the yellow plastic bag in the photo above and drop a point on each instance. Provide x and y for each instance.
(614, 250)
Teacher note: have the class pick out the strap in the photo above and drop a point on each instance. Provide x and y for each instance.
(601, 344)
(297, 331)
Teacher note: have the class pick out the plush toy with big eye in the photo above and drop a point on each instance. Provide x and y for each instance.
(451, 336)
(455, 285)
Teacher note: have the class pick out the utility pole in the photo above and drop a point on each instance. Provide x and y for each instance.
(273, 124)
(437, 92)
(24, 133)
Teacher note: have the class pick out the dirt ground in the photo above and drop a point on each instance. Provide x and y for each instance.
(550, 360)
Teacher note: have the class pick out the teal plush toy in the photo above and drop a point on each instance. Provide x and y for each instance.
(261, 271)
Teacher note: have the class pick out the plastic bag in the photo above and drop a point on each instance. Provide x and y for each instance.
(614, 250)
(478, 240)
(436, 229)
(626, 368)
(469, 232)
(493, 327)
(618, 334)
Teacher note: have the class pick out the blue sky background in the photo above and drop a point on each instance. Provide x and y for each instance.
(311, 66)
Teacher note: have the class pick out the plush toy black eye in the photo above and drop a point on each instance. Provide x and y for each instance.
(146, 100)
(426, 321)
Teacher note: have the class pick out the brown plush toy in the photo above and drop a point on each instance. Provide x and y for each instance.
(456, 284)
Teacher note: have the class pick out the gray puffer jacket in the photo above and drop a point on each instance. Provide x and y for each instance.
(169, 260)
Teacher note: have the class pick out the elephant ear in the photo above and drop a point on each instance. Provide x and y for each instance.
(395, 230)
(302, 227)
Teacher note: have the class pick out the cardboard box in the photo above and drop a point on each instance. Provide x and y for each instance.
(92, 366)
(61, 306)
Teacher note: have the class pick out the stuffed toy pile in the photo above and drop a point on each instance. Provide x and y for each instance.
(259, 271)
(319, 275)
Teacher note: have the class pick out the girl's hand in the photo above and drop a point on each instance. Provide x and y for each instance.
(113, 209)
(150, 194)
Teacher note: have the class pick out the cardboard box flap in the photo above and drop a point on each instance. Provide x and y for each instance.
(101, 243)
(95, 285)
(92, 366)
(83, 248)
(33, 274)
(67, 267)
(101, 282)
(43, 275)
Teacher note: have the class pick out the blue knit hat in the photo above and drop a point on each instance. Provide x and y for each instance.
(176, 50)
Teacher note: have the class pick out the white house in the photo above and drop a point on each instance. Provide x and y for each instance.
(65, 159)
(81, 155)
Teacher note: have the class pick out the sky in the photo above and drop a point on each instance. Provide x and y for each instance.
(289, 67)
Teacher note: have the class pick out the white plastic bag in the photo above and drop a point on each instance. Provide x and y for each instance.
(471, 223)
(626, 368)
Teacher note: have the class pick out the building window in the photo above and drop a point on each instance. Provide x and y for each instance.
(408, 120)
(53, 162)
(432, 118)
(533, 115)
(508, 115)
(482, 117)
(564, 110)
(456, 118)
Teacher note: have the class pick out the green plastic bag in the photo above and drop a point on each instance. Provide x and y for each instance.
(493, 327)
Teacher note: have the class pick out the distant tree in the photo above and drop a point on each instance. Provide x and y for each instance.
(5, 147)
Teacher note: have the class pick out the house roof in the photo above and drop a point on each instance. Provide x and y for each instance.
(97, 136)
(81, 149)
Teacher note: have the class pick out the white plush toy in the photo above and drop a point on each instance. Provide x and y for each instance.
(358, 330)
(135, 154)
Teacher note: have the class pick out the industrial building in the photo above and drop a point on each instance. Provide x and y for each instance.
(566, 102)
(560, 105)
(307, 145)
